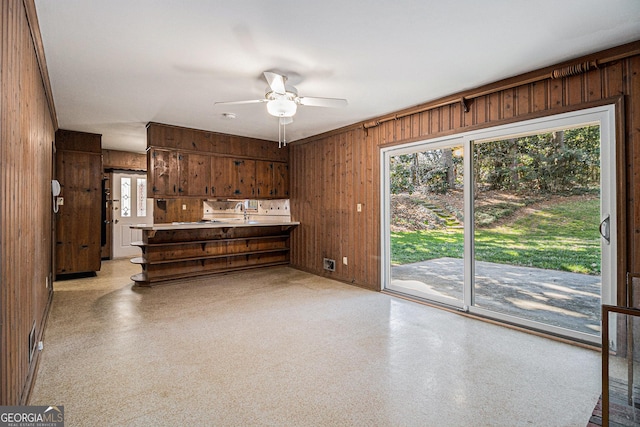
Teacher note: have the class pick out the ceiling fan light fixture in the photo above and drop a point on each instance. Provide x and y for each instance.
(282, 107)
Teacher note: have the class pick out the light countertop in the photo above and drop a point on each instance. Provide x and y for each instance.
(215, 224)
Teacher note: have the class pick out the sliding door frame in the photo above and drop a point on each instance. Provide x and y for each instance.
(607, 116)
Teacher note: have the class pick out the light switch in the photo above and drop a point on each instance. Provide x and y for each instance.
(359, 207)
(344, 260)
(184, 207)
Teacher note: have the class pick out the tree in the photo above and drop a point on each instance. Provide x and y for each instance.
(564, 161)
(447, 162)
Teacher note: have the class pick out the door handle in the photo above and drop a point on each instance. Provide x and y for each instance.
(605, 229)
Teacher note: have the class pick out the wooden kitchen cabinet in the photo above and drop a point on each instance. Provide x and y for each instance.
(163, 173)
(264, 178)
(272, 179)
(281, 180)
(78, 220)
(195, 174)
(222, 177)
(187, 164)
(232, 177)
(244, 173)
(173, 173)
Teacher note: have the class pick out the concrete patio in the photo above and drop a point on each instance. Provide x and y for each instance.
(566, 300)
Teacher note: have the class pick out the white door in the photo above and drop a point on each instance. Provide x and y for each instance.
(130, 206)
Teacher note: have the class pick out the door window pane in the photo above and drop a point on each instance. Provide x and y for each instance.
(427, 232)
(142, 197)
(536, 215)
(125, 197)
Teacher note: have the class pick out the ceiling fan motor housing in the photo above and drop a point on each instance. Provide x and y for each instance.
(282, 105)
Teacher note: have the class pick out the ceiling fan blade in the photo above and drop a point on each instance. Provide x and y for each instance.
(252, 101)
(276, 82)
(322, 102)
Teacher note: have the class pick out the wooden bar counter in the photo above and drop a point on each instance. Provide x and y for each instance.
(182, 250)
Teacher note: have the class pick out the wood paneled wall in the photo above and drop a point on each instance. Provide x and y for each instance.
(179, 210)
(123, 160)
(333, 172)
(27, 125)
(329, 178)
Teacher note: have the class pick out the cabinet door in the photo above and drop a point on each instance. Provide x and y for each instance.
(280, 180)
(264, 179)
(222, 177)
(163, 173)
(195, 174)
(245, 178)
(78, 221)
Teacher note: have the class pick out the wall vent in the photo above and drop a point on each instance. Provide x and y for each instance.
(329, 264)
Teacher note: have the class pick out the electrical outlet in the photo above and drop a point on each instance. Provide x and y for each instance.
(60, 201)
(184, 207)
(344, 260)
(359, 207)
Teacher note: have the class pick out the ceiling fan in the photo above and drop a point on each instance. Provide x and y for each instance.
(282, 101)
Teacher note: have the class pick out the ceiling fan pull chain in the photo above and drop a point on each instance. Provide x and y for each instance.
(282, 132)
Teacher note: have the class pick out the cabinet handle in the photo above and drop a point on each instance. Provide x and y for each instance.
(174, 188)
(213, 190)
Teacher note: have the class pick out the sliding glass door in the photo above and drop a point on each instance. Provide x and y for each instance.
(426, 227)
(515, 223)
(536, 217)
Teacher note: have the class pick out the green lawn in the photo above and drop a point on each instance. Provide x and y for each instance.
(564, 237)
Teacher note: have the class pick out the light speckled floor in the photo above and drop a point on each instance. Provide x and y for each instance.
(284, 348)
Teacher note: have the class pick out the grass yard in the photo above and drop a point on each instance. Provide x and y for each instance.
(563, 236)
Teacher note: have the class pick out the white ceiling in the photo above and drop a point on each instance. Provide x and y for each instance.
(116, 65)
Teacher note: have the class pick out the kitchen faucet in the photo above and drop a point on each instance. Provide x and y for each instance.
(241, 206)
